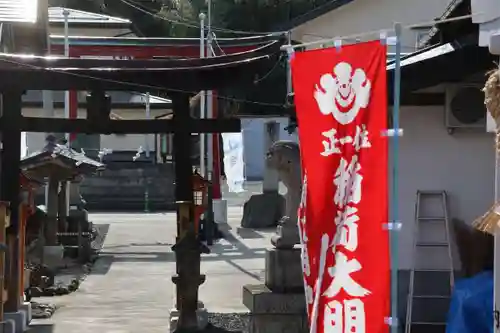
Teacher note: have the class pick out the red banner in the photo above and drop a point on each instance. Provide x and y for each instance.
(341, 103)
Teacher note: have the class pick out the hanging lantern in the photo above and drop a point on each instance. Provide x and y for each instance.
(199, 197)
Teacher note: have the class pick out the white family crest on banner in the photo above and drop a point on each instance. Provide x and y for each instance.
(349, 91)
(234, 165)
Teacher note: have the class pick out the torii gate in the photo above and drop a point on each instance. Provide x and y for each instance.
(152, 48)
(180, 77)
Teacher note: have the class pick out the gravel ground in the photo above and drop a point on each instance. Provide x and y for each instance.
(229, 322)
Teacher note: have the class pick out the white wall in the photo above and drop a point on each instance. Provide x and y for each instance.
(430, 159)
(253, 141)
(367, 15)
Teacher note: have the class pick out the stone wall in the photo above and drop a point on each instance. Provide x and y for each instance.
(124, 188)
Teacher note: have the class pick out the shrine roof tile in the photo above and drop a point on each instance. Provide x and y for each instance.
(56, 150)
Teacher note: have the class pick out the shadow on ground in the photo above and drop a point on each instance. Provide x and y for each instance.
(235, 250)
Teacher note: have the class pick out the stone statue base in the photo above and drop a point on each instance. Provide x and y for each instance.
(279, 305)
(287, 234)
(263, 210)
(201, 313)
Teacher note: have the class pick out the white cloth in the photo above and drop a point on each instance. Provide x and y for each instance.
(234, 165)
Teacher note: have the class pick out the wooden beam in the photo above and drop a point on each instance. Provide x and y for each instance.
(177, 75)
(62, 125)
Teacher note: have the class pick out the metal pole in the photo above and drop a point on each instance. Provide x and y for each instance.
(146, 146)
(48, 107)
(289, 86)
(395, 184)
(66, 54)
(203, 96)
(148, 116)
(66, 97)
(210, 111)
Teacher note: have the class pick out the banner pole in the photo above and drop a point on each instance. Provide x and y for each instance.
(394, 199)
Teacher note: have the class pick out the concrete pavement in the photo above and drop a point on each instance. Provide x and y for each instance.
(130, 288)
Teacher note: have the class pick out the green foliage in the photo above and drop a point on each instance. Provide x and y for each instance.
(248, 15)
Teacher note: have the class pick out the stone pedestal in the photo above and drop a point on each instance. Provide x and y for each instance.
(220, 211)
(278, 305)
(201, 313)
(17, 321)
(8, 326)
(263, 210)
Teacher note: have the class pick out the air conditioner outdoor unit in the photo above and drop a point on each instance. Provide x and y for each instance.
(465, 107)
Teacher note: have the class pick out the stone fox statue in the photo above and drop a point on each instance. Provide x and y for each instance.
(284, 157)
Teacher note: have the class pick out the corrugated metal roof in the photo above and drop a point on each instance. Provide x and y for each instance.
(18, 11)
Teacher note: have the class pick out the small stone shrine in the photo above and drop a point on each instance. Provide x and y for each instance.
(279, 304)
(58, 164)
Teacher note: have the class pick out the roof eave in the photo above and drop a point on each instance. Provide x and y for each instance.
(313, 14)
(433, 35)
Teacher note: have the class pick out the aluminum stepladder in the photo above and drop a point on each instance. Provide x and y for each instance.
(418, 243)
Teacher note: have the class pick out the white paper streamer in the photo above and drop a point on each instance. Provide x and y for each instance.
(234, 165)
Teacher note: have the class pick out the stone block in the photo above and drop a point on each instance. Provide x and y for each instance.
(284, 270)
(52, 256)
(201, 313)
(220, 211)
(19, 319)
(26, 308)
(278, 324)
(259, 299)
(263, 210)
(8, 326)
